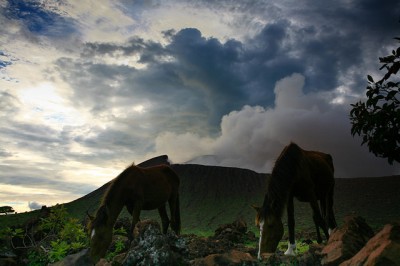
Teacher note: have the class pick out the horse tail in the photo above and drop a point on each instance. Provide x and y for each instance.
(177, 215)
(330, 162)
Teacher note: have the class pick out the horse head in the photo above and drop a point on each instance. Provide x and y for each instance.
(100, 234)
(271, 230)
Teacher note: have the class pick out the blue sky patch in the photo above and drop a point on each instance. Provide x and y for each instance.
(3, 61)
(39, 20)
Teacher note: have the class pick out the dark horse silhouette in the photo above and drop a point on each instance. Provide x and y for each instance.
(137, 189)
(306, 175)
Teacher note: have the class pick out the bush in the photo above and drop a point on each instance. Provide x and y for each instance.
(60, 236)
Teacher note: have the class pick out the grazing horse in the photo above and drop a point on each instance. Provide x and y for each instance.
(306, 175)
(137, 189)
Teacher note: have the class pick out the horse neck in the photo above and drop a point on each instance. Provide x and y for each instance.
(280, 185)
(276, 198)
(114, 199)
(114, 204)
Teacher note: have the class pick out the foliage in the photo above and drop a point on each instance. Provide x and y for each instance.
(37, 258)
(6, 209)
(59, 250)
(56, 220)
(119, 247)
(60, 236)
(378, 119)
(120, 231)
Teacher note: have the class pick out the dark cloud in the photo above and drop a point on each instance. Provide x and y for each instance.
(253, 136)
(31, 175)
(198, 79)
(148, 51)
(33, 205)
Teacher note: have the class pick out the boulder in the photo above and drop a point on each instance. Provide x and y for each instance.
(382, 249)
(234, 257)
(346, 241)
(103, 262)
(151, 247)
(227, 237)
(233, 232)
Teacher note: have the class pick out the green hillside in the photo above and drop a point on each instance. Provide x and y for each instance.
(212, 195)
(209, 196)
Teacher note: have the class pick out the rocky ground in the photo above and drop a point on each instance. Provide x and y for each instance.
(354, 243)
(231, 244)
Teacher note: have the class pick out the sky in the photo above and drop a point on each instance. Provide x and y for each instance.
(88, 87)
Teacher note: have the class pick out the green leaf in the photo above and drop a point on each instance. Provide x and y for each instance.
(370, 78)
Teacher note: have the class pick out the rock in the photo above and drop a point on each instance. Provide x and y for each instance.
(151, 247)
(234, 232)
(234, 257)
(382, 249)
(145, 228)
(103, 262)
(312, 256)
(346, 241)
(81, 258)
(226, 237)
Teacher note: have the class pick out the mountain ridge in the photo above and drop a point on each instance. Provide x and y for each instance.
(214, 195)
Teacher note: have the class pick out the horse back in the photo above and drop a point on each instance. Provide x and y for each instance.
(153, 185)
(162, 172)
(316, 172)
(319, 163)
(159, 178)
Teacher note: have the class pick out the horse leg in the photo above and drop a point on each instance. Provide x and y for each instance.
(318, 220)
(331, 216)
(135, 218)
(164, 218)
(323, 209)
(290, 215)
(173, 203)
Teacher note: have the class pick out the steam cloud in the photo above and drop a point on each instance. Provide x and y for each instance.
(254, 136)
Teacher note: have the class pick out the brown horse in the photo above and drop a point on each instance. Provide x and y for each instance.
(306, 175)
(137, 189)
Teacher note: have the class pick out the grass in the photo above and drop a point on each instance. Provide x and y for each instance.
(16, 219)
(210, 197)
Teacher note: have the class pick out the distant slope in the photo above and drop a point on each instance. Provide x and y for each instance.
(91, 201)
(209, 196)
(212, 195)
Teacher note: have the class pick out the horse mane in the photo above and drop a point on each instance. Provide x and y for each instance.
(281, 180)
(114, 183)
(101, 214)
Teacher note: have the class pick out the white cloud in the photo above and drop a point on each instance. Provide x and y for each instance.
(254, 136)
(181, 147)
(33, 205)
